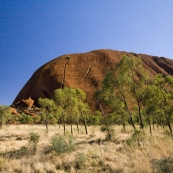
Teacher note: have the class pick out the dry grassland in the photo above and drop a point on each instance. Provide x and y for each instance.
(93, 154)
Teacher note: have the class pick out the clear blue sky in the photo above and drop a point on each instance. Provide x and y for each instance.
(35, 32)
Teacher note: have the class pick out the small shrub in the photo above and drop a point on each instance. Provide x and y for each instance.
(34, 137)
(22, 151)
(110, 133)
(166, 133)
(33, 140)
(164, 165)
(80, 160)
(15, 154)
(137, 137)
(63, 144)
(2, 162)
(25, 119)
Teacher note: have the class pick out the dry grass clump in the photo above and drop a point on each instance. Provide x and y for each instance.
(92, 153)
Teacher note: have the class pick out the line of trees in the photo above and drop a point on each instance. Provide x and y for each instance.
(129, 95)
(67, 107)
(135, 97)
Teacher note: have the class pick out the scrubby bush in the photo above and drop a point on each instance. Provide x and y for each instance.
(164, 165)
(25, 119)
(137, 138)
(33, 141)
(81, 161)
(107, 127)
(63, 144)
(93, 119)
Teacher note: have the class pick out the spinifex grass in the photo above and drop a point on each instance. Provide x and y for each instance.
(92, 152)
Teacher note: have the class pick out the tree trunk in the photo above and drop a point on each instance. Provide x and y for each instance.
(124, 124)
(77, 124)
(85, 124)
(0, 124)
(140, 116)
(124, 127)
(149, 123)
(64, 127)
(131, 118)
(46, 126)
(47, 121)
(127, 109)
(153, 125)
(63, 121)
(71, 129)
(71, 125)
(168, 123)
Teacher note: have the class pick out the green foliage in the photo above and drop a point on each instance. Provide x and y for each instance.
(137, 138)
(107, 127)
(46, 103)
(70, 102)
(63, 144)
(81, 160)
(135, 97)
(158, 100)
(48, 107)
(34, 138)
(93, 119)
(37, 119)
(4, 114)
(164, 165)
(13, 119)
(15, 154)
(110, 132)
(25, 119)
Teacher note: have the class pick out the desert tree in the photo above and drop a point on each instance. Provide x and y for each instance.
(47, 107)
(83, 110)
(82, 107)
(71, 105)
(115, 89)
(158, 101)
(164, 97)
(71, 102)
(125, 86)
(139, 83)
(60, 101)
(150, 107)
(154, 115)
(105, 98)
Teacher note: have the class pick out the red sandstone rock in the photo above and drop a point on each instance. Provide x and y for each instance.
(84, 71)
(28, 102)
(13, 111)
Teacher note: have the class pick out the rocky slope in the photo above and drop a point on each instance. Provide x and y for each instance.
(84, 71)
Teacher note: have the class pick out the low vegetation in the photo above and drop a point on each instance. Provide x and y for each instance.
(80, 153)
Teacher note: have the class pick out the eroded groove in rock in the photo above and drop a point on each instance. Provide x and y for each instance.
(63, 80)
(88, 71)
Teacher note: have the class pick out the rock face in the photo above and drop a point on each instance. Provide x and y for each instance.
(84, 71)
(28, 102)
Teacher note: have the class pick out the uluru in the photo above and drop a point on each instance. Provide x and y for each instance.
(84, 71)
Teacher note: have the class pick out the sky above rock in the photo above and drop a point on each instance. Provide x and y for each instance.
(35, 32)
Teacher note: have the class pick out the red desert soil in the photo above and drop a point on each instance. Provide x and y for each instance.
(84, 71)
